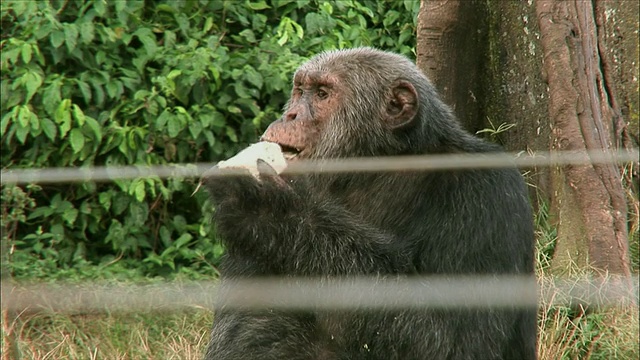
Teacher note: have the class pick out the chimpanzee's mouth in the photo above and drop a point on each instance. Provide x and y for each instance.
(289, 152)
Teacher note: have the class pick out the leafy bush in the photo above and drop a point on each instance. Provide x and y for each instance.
(132, 82)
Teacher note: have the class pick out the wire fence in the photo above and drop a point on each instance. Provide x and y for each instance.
(442, 162)
(325, 293)
(432, 292)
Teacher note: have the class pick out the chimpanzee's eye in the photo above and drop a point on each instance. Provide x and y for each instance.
(322, 94)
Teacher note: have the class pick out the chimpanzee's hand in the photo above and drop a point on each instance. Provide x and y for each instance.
(255, 157)
(251, 174)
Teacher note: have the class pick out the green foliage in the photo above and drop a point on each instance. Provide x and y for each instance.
(132, 82)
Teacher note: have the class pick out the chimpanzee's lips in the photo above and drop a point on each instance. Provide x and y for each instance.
(289, 152)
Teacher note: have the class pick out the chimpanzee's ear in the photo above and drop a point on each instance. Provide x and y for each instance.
(402, 107)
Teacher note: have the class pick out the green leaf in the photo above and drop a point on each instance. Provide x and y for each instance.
(39, 56)
(120, 203)
(34, 123)
(166, 8)
(115, 233)
(208, 24)
(94, 126)
(218, 120)
(139, 191)
(195, 128)
(70, 216)
(327, 8)
(21, 134)
(85, 207)
(24, 115)
(98, 94)
(49, 128)
(19, 7)
(133, 139)
(6, 119)
(78, 114)
(299, 29)
(85, 89)
(81, 252)
(241, 91)
(139, 211)
(100, 7)
(76, 138)
(315, 23)
(390, 18)
(100, 57)
(211, 140)
(87, 32)
(261, 5)
(165, 236)
(10, 55)
(51, 98)
(253, 76)
(105, 200)
(114, 89)
(33, 81)
(231, 133)
(174, 126)
(63, 117)
(180, 223)
(234, 109)
(248, 35)
(174, 74)
(26, 53)
(43, 211)
(183, 240)
(43, 30)
(148, 40)
(161, 121)
(57, 38)
(404, 36)
(283, 40)
(70, 36)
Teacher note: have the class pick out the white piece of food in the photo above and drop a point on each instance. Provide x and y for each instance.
(269, 152)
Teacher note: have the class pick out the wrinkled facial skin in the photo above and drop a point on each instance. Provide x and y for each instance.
(314, 98)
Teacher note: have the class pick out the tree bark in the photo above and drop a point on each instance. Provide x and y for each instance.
(588, 203)
(589, 200)
(450, 51)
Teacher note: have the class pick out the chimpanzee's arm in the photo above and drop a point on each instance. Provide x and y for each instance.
(290, 231)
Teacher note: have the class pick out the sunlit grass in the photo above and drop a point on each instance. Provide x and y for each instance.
(177, 335)
(566, 333)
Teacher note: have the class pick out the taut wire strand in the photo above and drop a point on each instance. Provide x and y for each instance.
(428, 292)
(368, 164)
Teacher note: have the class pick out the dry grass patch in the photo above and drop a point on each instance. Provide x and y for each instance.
(152, 335)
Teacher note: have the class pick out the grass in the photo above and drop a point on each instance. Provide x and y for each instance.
(568, 333)
(178, 335)
(564, 333)
(575, 334)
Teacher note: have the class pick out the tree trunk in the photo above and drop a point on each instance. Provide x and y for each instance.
(451, 37)
(589, 200)
(568, 39)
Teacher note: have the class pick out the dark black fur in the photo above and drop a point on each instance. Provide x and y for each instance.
(425, 223)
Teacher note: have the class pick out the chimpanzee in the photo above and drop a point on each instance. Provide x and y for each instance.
(356, 103)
